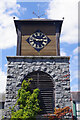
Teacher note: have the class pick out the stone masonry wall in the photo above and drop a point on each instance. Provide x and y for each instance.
(56, 66)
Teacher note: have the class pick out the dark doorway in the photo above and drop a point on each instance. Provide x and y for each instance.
(43, 81)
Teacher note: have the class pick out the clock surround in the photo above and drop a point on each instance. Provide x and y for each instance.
(38, 40)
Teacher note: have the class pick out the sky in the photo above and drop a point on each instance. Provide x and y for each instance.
(53, 9)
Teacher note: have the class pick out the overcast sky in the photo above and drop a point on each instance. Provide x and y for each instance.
(54, 9)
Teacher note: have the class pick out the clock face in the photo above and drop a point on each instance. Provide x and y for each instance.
(38, 40)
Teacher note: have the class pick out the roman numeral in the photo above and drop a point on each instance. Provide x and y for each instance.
(34, 45)
(30, 40)
(35, 34)
(45, 39)
(38, 34)
(42, 46)
(31, 43)
(44, 43)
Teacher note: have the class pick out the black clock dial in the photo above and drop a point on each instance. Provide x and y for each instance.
(38, 40)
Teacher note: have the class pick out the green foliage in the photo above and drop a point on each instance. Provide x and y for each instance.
(28, 103)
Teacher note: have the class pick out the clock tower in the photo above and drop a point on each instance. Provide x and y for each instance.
(38, 57)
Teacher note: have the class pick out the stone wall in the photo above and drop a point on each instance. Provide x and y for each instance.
(56, 66)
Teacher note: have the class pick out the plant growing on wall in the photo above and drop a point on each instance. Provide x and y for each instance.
(27, 103)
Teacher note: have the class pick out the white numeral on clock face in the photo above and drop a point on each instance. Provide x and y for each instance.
(45, 40)
(42, 46)
(44, 37)
(31, 43)
(34, 45)
(37, 46)
(44, 43)
(38, 34)
(35, 34)
(30, 40)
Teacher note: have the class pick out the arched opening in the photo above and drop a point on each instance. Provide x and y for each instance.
(43, 81)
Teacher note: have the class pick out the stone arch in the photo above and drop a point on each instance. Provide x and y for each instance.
(30, 69)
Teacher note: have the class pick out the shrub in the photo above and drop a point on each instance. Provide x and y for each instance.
(27, 103)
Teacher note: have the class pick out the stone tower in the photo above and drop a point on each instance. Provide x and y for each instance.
(38, 57)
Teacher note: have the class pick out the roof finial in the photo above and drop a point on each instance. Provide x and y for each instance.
(38, 13)
(13, 17)
(63, 18)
